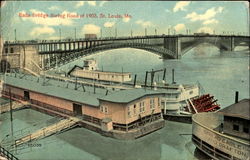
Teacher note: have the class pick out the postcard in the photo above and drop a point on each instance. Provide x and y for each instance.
(124, 80)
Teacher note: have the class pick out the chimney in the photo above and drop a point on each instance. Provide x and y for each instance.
(236, 96)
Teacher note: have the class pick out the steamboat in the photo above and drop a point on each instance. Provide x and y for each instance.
(224, 134)
(185, 101)
(90, 71)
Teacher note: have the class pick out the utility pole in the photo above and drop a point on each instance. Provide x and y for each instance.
(75, 33)
(115, 32)
(169, 31)
(131, 33)
(60, 33)
(145, 31)
(122, 75)
(101, 33)
(11, 116)
(15, 34)
(110, 31)
(155, 31)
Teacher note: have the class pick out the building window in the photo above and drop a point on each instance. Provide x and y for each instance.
(6, 50)
(236, 127)
(106, 109)
(11, 50)
(245, 130)
(159, 102)
(135, 109)
(152, 103)
(142, 108)
(191, 92)
(129, 112)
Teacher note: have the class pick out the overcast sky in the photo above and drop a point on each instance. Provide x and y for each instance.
(157, 17)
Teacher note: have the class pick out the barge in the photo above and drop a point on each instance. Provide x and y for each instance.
(224, 134)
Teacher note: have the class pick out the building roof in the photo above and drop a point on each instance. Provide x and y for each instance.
(58, 89)
(126, 96)
(54, 90)
(239, 110)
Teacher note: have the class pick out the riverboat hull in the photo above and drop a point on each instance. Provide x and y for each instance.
(207, 135)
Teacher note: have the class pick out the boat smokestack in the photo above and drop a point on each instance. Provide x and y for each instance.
(146, 77)
(164, 74)
(236, 96)
(135, 80)
(173, 82)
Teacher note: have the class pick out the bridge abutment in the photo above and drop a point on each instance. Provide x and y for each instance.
(22, 56)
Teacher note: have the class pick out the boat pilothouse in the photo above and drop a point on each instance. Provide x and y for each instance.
(90, 65)
(177, 97)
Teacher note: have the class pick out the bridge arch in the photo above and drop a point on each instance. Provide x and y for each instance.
(221, 46)
(63, 58)
(152, 48)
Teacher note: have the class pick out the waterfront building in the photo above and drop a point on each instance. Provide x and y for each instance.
(124, 114)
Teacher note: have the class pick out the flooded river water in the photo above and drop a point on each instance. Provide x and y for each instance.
(220, 74)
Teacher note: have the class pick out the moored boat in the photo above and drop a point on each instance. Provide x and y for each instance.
(90, 71)
(186, 101)
(224, 134)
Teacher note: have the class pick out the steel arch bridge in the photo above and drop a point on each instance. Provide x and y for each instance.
(63, 58)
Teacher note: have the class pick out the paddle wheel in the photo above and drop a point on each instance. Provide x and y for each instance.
(204, 103)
